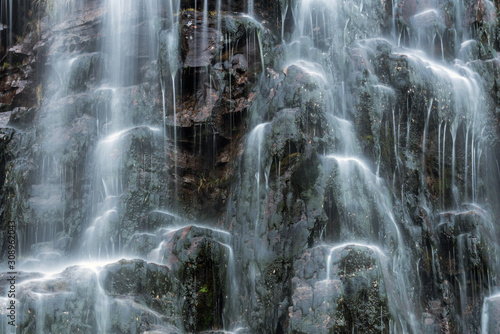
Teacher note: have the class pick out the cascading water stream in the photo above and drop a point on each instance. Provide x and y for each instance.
(465, 89)
(231, 311)
(306, 21)
(371, 152)
(171, 44)
(349, 167)
(116, 128)
(103, 239)
(101, 306)
(251, 7)
(424, 146)
(256, 163)
(255, 146)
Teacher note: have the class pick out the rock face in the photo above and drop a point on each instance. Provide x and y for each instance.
(341, 289)
(313, 167)
(139, 296)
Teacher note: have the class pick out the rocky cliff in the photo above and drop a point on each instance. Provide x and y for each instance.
(260, 167)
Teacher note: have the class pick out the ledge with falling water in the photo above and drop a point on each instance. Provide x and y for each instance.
(351, 270)
(309, 171)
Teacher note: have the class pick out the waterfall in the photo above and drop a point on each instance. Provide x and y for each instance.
(103, 237)
(304, 166)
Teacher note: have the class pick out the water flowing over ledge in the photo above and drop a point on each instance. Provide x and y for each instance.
(278, 166)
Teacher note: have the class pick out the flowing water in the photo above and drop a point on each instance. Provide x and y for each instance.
(380, 154)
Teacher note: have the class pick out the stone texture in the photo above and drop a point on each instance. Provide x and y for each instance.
(282, 202)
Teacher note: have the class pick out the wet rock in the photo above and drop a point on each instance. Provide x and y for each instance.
(204, 43)
(21, 277)
(209, 117)
(304, 177)
(22, 116)
(469, 50)
(60, 303)
(288, 197)
(200, 263)
(482, 12)
(279, 198)
(73, 31)
(86, 71)
(115, 295)
(18, 76)
(426, 18)
(141, 244)
(351, 295)
(152, 285)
